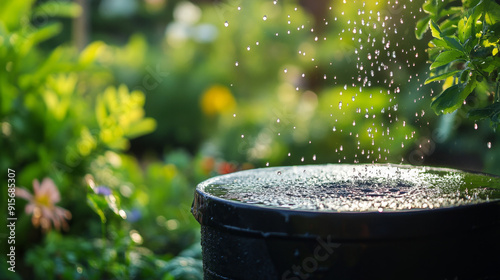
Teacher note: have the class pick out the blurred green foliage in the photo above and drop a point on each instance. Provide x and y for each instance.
(169, 93)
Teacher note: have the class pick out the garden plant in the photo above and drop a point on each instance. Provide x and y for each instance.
(464, 53)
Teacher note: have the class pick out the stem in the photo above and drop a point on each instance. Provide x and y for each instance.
(103, 231)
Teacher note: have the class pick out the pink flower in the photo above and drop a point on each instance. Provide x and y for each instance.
(42, 205)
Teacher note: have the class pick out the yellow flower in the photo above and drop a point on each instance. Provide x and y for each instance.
(216, 100)
(42, 205)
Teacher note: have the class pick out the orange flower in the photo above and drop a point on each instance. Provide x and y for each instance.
(217, 99)
(226, 168)
(42, 205)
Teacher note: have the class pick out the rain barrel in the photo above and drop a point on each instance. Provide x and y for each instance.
(345, 221)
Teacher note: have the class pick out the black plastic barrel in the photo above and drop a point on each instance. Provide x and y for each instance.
(350, 222)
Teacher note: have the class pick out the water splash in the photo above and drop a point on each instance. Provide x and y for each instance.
(354, 53)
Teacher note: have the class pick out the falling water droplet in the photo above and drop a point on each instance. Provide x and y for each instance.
(334, 129)
(278, 120)
(264, 17)
(340, 105)
(489, 145)
(279, 172)
(236, 63)
(242, 136)
(226, 24)
(314, 157)
(475, 126)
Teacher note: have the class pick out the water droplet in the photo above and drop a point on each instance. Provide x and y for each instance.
(334, 129)
(279, 172)
(278, 120)
(242, 136)
(340, 105)
(236, 63)
(489, 145)
(264, 17)
(314, 157)
(475, 126)
(226, 24)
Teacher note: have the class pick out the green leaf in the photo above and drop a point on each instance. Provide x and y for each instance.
(482, 53)
(453, 43)
(495, 29)
(90, 53)
(450, 12)
(449, 23)
(461, 30)
(453, 97)
(441, 76)
(141, 127)
(44, 33)
(490, 63)
(439, 43)
(470, 3)
(447, 57)
(483, 113)
(492, 10)
(470, 28)
(422, 26)
(12, 11)
(430, 7)
(470, 43)
(97, 204)
(57, 9)
(436, 31)
(450, 31)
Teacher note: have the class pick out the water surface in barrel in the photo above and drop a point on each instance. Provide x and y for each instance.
(354, 188)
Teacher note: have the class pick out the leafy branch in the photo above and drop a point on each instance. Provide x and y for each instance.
(464, 53)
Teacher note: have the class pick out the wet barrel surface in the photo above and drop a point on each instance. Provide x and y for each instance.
(350, 222)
